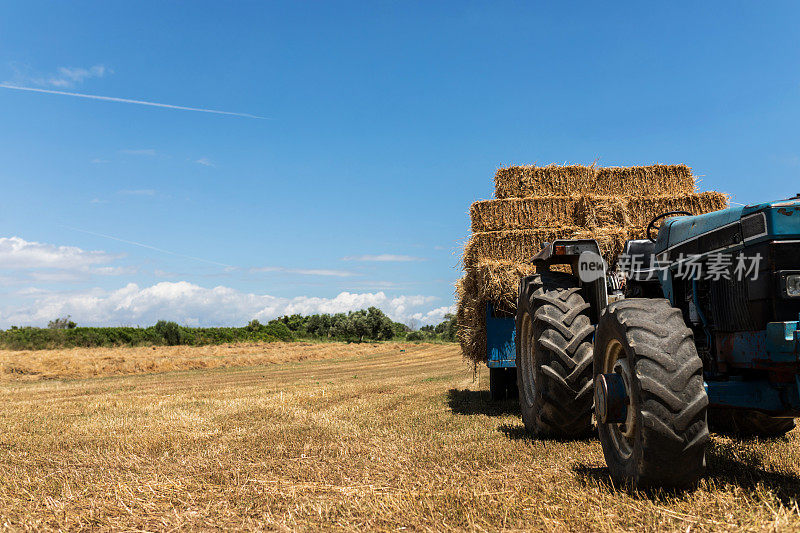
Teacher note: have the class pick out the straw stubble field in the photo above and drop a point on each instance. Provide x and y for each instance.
(341, 437)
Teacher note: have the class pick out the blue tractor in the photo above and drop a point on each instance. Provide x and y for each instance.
(697, 326)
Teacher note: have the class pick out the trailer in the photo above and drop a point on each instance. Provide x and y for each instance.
(501, 356)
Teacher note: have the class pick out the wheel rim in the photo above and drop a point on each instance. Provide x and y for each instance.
(526, 364)
(622, 434)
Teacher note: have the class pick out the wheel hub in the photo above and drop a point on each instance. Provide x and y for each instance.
(610, 398)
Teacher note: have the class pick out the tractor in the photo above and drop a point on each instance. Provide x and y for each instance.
(696, 328)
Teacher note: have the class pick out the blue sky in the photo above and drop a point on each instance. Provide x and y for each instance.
(383, 122)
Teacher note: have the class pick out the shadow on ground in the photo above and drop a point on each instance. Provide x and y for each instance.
(727, 463)
(473, 402)
(518, 432)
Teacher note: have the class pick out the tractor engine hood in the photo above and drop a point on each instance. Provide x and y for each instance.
(729, 228)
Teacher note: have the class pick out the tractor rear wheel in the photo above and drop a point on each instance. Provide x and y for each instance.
(747, 423)
(654, 431)
(554, 356)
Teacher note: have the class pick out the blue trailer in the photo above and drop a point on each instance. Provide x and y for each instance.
(501, 355)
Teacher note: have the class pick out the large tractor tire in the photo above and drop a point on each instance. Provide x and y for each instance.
(745, 423)
(655, 433)
(554, 356)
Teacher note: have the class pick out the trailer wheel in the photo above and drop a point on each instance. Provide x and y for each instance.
(497, 384)
(746, 423)
(502, 384)
(554, 356)
(649, 396)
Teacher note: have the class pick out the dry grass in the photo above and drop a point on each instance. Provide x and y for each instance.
(381, 440)
(100, 362)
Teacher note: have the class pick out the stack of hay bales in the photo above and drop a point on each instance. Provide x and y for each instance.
(535, 205)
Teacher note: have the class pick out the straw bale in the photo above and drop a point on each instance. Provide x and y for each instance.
(519, 246)
(486, 281)
(551, 180)
(646, 180)
(523, 213)
(471, 328)
(641, 211)
(589, 211)
(571, 180)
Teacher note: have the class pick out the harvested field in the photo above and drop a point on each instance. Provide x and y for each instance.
(381, 440)
(588, 211)
(571, 180)
(74, 363)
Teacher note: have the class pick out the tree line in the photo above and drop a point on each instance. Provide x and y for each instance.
(356, 326)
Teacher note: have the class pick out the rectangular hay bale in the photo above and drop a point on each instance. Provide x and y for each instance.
(571, 180)
(588, 211)
(486, 281)
(642, 210)
(519, 246)
(546, 211)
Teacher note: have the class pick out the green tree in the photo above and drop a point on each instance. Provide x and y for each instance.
(342, 327)
(447, 329)
(360, 324)
(380, 325)
(415, 336)
(62, 323)
(278, 328)
(170, 332)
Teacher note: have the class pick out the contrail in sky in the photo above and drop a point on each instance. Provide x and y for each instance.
(128, 101)
(148, 246)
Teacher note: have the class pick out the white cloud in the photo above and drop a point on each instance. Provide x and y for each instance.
(19, 253)
(383, 258)
(434, 316)
(137, 192)
(30, 291)
(71, 76)
(191, 304)
(98, 161)
(206, 162)
(54, 276)
(159, 273)
(378, 284)
(394, 307)
(27, 261)
(63, 77)
(145, 151)
(305, 271)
